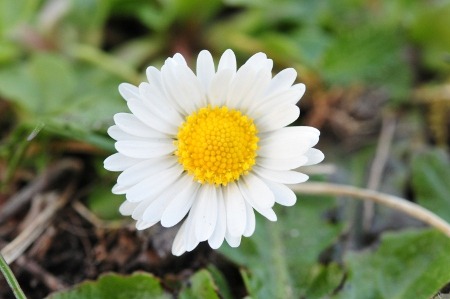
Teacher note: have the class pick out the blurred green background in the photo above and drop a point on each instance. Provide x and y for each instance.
(369, 65)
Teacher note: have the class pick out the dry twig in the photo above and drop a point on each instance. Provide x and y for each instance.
(41, 183)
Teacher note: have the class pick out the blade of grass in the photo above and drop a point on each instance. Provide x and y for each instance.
(11, 279)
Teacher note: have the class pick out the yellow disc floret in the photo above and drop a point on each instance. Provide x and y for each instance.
(217, 145)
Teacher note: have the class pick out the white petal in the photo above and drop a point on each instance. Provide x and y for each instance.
(286, 143)
(180, 205)
(132, 125)
(179, 243)
(157, 102)
(256, 61)
(277, 118)
(153, 75)
(117, 134)
(188, 89)
(259, 206)
(145, 149)
(314, 156)
(144, 169)
(263, 77)
(268, 103)
(301, 133)
(154, 184)
(251, 223)
(216, 239)
(141, 224)
(269, 214)
(283, 177)
(205, 213)
(119, 189)
(246, 87)
(183, 87)
(219, 86)
(295, 130)
(152, 209)
(127, 208)
(155, 97)
(283, 195)
(281, 164)
(256, 192)
(148, 117)
(233, 241)
(235, 209)
(179, 59)
(168, 76)
(141, 206)
(205, 69)
(240, 86)
(227, 61)
(282, 81)
(119, 162)
(128, 91)
(191, 240)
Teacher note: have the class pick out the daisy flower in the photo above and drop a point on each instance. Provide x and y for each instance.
(210, 148)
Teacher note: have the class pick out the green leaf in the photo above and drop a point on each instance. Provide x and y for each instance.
(411, 264)
(55, 82)
(281, 258)
(430, 29)
(87, 17)
(202, 286)
(221, 282)
(115, 286)
(103, 203)
(14, 13)
(370, 56)
(430, 180)
(41, 86)
(70, 100)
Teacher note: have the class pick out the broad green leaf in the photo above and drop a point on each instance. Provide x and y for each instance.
(202, 286)
(430, 179)
(432, 31)
(69, 100)
(41, 86)
(55, 81)
(13, 13)
(88, 17)
(368, 55)
(312, 43)
(17, 86)
(281, 258)
(103, 203)
(411, 264)
(8, 52)
(221, 282)
(115, 286)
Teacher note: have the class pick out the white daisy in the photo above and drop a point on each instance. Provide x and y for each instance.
(210, 147)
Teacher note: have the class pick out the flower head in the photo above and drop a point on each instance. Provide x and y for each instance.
(210, 147)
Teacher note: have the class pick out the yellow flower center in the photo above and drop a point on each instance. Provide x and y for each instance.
(217, 145)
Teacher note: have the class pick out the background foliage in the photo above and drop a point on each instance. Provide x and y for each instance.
(365, 63)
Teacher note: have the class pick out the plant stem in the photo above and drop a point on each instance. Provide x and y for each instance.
(391, 201)
(11, 279)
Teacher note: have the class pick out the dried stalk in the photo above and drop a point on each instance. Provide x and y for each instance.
(397, 203)
(35, 228)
